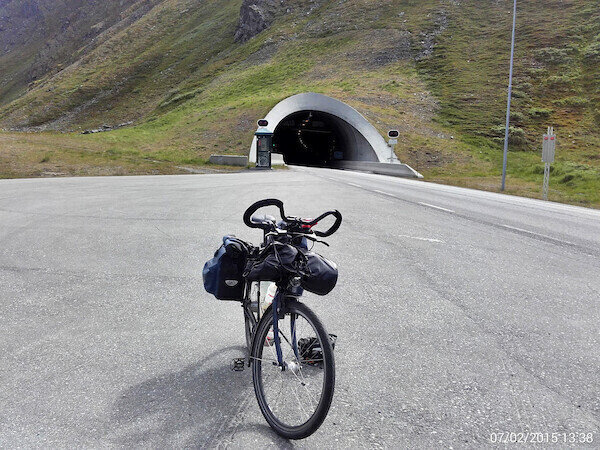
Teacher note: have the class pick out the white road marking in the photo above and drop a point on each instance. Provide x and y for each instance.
(355, 185)
(436, 207)
(536, 234)
(384, 193)
(439, 241)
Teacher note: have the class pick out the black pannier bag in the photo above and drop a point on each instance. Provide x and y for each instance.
(223, 274)
(320, 274)
(274, 263)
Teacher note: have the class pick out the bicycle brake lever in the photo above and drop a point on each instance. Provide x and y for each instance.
(310, 238)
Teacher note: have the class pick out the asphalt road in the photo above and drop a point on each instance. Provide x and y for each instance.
(459, 313)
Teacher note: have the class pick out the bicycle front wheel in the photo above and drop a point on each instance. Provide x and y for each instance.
(294, 401)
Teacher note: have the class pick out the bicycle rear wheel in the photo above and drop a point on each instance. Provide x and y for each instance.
(294, 401)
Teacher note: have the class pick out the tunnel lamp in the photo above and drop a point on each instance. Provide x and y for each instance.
(264, 144)
(393, 135)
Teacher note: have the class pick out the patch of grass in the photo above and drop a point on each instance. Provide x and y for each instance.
(540, 113)
(592, 53)
(517, 117)
(179, 98)
(516, 93)
(562, 81)
(551, 56)
(572, 101)
(59, 154)
(516, 136)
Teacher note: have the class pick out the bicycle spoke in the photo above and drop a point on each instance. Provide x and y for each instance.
(303, 383)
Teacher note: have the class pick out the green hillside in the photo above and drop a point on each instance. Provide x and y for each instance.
(436, 70)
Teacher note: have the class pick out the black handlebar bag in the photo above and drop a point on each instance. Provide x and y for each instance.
(223, 274)
(278, 261)
(274, 263)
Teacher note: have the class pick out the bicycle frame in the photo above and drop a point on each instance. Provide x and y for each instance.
(278, 307)
(247, 305)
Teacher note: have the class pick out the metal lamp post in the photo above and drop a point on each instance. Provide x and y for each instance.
(510, 76)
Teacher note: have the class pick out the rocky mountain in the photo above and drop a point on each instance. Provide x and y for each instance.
(258, 15)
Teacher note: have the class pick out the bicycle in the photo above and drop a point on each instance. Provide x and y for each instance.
(289, 350)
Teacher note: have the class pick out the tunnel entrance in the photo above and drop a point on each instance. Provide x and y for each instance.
(310, 138)
(317, 138)
(315, 130)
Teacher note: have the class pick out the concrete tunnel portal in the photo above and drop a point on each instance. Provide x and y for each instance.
(315, 130)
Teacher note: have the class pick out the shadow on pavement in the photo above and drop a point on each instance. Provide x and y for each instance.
(194, 407)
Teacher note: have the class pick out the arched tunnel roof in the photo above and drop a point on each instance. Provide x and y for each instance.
(311, 101)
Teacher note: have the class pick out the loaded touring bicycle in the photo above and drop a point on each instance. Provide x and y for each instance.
(289, 351)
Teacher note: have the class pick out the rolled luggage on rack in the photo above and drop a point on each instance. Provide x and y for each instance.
(320, 274)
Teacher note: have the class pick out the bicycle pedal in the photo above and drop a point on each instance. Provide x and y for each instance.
(238, 364)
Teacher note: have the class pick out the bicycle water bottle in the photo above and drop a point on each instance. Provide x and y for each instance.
(254, 298)
(269, 296)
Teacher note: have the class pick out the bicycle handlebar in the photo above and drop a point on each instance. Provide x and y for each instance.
(279, 204)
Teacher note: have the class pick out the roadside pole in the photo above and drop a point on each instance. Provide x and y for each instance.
(548, 151)
(510, 76)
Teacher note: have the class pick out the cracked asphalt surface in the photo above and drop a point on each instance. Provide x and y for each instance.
(459, 313)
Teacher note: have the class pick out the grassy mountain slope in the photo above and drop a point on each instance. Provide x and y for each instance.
(38, 38)
(435, 69)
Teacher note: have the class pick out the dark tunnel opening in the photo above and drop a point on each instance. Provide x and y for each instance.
(315, 138)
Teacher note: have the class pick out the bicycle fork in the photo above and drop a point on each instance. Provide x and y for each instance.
(278, 307)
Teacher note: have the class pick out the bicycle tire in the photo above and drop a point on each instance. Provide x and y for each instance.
(320, 413)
